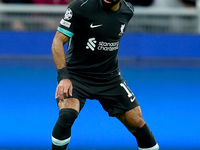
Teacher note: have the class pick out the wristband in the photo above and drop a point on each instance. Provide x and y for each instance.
(63, 73)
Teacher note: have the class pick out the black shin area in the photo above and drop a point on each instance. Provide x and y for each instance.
(62, 130)
(145, 137)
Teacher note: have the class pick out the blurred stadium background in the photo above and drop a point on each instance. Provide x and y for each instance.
(159, 58)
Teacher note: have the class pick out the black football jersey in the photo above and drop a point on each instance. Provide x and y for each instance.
(95, 35)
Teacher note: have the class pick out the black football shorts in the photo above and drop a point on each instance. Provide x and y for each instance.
(114, 95)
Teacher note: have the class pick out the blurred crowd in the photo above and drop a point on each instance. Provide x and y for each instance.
(159, 3)
(51, 24)
(56, 2)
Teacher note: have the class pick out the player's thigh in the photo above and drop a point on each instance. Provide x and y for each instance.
(132, 119)
(72, 103)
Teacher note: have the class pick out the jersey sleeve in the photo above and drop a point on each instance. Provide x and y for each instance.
(130, 6)
(71, 20)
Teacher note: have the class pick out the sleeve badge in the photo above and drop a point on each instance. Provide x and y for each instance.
(68, 14)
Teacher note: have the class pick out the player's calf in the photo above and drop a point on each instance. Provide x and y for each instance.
(62, 130)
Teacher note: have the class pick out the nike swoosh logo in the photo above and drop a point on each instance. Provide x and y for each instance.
(95, 26)
(132, 99)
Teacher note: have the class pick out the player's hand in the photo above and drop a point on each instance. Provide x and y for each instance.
(64, 89)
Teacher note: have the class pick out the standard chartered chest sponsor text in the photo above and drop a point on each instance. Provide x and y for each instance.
(105, 46)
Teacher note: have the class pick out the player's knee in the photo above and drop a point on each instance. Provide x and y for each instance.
(71, 103)
(139, 122)
(134, 120)
(135, 124)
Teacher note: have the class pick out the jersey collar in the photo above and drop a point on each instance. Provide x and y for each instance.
(109, 10)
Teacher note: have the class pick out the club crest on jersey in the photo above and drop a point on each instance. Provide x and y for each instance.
(68, 14)
(122, 30)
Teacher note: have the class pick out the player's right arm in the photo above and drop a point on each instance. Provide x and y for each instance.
(58, 50)
(65, 31)
(64, 88)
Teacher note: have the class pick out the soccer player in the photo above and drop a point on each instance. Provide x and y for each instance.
(89, 70)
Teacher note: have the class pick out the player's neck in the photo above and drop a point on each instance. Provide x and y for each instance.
(116, 7)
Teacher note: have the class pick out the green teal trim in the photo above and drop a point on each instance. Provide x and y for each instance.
(60, 142)
(65, 32)
(131, 8)
(84, 3)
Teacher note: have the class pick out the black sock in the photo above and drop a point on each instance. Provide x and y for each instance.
(62, 130)
(145, 137)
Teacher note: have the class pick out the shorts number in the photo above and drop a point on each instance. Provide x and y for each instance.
(128, 91)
